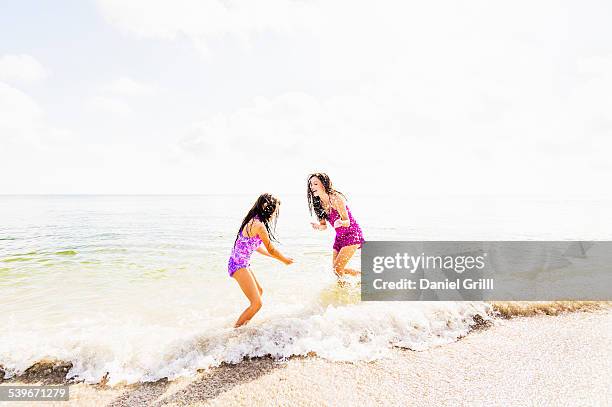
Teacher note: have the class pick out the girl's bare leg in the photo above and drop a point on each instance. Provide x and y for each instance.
(257, 282)
(334, 256)
(341, 260)
(250, 288)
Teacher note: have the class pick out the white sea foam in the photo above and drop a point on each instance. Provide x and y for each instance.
(136, 351)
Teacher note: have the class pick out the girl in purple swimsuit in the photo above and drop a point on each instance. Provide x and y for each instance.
(254, 230)
(330, 205)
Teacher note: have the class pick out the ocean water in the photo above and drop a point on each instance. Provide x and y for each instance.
(136, 287)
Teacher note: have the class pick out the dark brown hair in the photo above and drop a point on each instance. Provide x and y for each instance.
(314, 202)
(263, 209)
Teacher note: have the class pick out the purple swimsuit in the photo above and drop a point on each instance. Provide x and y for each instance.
(241, 253)
(346, 236)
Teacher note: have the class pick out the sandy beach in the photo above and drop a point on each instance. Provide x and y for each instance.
(563, 360)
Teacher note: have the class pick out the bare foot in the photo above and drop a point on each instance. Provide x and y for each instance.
(352, 272)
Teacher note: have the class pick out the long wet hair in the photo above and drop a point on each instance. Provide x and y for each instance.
(314, 202)
(263, 208)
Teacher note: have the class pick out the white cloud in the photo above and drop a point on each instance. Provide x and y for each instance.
(114, 106)
(200, 20)
(461, 90)
(27, 139)
(486, 136)
(481, 95)
(21, 68)
(129, 87)
(21, 119)
(111, 97)
(17, 108)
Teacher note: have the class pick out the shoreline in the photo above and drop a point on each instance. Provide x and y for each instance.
(543, 358)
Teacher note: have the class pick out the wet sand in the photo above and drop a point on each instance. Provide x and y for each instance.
(563, 360)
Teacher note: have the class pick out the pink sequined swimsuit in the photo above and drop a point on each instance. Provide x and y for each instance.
(346, 236)
(241, 253)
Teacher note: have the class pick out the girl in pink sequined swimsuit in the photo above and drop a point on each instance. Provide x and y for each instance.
(330, 206)
(254, 230)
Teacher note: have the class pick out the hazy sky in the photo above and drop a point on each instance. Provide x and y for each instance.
(194, 96)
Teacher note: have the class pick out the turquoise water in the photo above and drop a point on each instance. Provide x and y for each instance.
(137, 286)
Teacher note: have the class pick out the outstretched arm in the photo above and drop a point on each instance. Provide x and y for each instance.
(322, 225)
(263, 251)
(272, 251)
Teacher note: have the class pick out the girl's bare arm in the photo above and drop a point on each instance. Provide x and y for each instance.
(263, 251)
(322, 225)
(272, 251)
(340, 206)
